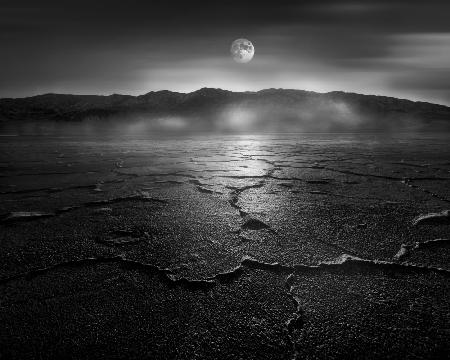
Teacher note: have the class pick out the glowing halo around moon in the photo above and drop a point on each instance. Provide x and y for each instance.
(242, 50)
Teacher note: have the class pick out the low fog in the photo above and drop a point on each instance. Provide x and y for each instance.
(242, 117)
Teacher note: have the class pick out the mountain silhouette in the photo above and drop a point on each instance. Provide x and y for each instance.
(216, 109)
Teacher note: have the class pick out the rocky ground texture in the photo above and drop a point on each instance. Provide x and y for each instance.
(234, 247)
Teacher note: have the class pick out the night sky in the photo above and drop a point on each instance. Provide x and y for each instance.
(394, 48)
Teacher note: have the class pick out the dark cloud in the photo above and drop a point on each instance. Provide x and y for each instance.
(137, 46)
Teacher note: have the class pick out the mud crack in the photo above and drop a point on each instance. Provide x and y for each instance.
(17, 216)
(406, 249)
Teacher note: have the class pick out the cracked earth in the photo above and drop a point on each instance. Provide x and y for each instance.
(255, 247)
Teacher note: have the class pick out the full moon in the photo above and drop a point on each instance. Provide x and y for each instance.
(242, 50)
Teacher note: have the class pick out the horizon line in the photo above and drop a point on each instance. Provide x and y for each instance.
(225, 90)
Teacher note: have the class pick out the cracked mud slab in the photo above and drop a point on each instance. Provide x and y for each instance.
(256, 247)
(378, 314)
(104, 311)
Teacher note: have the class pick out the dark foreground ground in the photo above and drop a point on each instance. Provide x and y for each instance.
(250, 247)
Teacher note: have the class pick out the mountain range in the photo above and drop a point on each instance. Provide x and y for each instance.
(211, 109)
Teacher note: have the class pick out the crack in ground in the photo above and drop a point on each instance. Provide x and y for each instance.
(33, 215)
(134, 175)
(350, 172)
(122, 237)
(296, 322)
(406, 249)
(51, 173)
(347, 172)
(345, 264)
(101, 182)
(435, 218)
(202, 187)
(251, 223)
(164, 274)
(404, 180)
(62, 189)
(408, 183)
